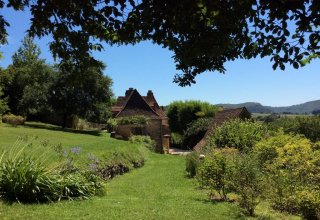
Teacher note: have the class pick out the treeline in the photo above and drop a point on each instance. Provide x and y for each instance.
(36, 90)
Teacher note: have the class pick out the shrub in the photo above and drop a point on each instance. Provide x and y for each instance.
(176, 140)
(116, 163)
(292, 165)
(13, 120)
(132, 120)
(309, 203)
(195, 132)
(215, 172)
(309, 126)
(238, 134)
(247, 182)
(192, 163)
(26, 176)
(111, 124)
(143, 140)
(182, 113)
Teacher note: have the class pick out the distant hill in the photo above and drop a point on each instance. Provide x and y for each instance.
(254, 107)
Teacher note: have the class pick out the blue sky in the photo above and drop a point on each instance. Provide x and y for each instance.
(147, 66)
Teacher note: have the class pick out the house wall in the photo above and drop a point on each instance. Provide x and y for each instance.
(154, 130)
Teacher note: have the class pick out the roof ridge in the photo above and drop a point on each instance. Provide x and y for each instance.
(131, 94)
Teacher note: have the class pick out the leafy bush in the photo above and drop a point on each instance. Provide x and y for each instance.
(195, 132)
(192, 163)
(176, 140)
(309, 203)
(292, 165)
(144, 140)
(132, 120)
(111, 124)
(309, 126)
(238, 134)
(215, 172)
(26, 176)
(116, 163)
(182, 113)
(13, 120)
(247, 182)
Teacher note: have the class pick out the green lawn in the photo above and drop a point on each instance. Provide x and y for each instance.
(159, 190)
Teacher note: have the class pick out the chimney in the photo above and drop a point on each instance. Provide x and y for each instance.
(128, 92)
(150, 93)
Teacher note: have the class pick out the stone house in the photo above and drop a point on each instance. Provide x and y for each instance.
(133, 104)
(219, 119)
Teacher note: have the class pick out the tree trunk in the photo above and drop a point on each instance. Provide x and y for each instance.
(64, 122)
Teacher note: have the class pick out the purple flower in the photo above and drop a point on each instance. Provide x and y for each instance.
(93, 166)
(92, 158)
(75, 150)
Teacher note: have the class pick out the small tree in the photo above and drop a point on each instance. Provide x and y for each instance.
(247, 181)
(215, 172)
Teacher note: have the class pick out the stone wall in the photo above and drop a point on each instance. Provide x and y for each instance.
(154, 130)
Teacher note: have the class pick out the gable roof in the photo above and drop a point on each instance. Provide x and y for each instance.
(219, 119)
(134, 104)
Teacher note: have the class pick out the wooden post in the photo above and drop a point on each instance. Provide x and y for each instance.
(166, 143)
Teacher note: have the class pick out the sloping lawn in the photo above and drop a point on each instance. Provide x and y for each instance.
(159, 190)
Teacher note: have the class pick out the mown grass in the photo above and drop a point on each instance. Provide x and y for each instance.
(159, 190)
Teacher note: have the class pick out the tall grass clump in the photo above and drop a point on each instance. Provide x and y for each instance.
(32, 174)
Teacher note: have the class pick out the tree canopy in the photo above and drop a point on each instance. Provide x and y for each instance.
(203, 34)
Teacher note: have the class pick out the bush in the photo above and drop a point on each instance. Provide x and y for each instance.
(292, 165)
(247, 182)
(27, 178)
(192, 163)
(238, 134)
(143, 140)
(176, 140)
(13, 120)
(216, 171)
(309, 204)
(309, 126)
(195, 132)
(111, 124)
(182, 113)
(132, 120)
(116, 163)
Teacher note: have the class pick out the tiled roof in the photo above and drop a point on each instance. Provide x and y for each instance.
(134, 104)
(219, 119)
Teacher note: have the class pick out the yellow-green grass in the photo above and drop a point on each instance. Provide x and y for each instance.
(159, 190)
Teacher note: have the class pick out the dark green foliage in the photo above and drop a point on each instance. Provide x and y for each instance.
(309, 126)
(143, 140)
(132, 120)
(13, 120)
(175, 140)
(192, 163)
(3, 102)
(195, 132)
(82, 91)
(27, 82)
(202, 35)
(182, 113)
(116, 163)
(238, 134)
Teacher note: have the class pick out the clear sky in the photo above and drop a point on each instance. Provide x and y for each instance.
(147, 66)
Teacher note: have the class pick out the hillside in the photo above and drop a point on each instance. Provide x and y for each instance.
(254, 107)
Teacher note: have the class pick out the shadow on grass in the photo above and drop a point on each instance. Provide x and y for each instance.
(57, 128)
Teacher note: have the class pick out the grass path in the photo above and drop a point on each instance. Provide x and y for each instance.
(157, 191)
